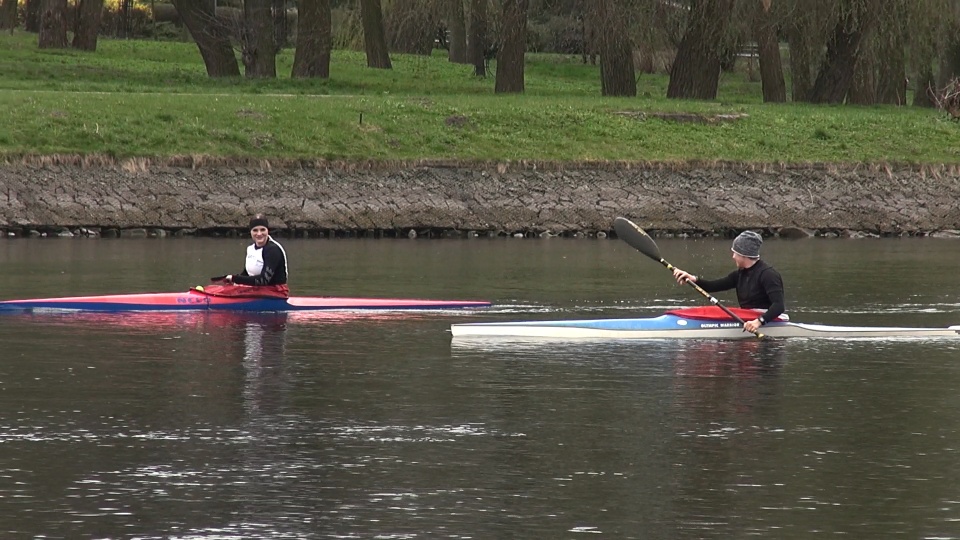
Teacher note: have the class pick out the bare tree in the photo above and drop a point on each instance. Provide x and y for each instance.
(281, 34)
(259, 51)
(768, 50)
(8, 14)
(510, 60)
(587, 16)
(374, 39)
(312, 57)
(478, 41)
(87, 25)
(212, 37)
(411, 26)
(617, 73)
(800, 31)
(696, 69)
(950, 61)
(53, 25)
(457, 27)
(32, 19)
(855, 21)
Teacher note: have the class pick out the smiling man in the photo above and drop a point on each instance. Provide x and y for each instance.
(266, 263)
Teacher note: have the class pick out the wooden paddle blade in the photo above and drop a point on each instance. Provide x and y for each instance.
(638, 239)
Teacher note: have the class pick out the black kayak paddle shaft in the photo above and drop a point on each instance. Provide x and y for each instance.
(638, 239)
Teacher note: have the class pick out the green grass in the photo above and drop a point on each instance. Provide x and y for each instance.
(153, 99)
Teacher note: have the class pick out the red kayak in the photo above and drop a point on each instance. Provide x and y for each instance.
(194, 300)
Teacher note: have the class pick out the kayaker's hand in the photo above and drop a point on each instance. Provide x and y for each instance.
(682, 277)
(752, 326)
(229, 278)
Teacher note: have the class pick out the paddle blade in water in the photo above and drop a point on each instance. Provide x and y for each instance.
(638, 239)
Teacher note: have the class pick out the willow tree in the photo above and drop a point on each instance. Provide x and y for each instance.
(411, 25)
(314, 39)
(949, 64)
(695, 73)
(211, 36)
(510, 59)
(259, 47)
(457, 32)
(934, 48)
(880, 76)
(478, 39)
(855, 19)
(374, 39)
(617, 73)
(768, 52)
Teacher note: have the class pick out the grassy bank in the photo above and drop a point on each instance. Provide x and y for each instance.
(153, 99)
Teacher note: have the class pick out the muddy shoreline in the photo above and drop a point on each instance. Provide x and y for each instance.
(89, 196)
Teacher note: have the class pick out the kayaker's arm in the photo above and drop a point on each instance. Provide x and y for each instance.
(773, 285)
(723, 284)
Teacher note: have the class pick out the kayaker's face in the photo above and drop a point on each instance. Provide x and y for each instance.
(741, 261)
(259, 235)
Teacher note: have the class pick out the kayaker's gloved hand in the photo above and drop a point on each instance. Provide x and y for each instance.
(218, 279)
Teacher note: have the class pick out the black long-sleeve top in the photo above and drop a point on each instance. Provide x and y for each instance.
(758, 287)
(274, 265)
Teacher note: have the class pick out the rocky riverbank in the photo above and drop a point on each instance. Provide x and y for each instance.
(98, 196)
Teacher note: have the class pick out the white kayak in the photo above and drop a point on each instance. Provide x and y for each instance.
(675, 325)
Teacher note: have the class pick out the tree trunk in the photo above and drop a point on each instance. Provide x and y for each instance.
(124, 18)
(477, 42)
(211, 36)
(87, 26)
(892, 71)
(836, 74)
(925, 85)
(768, 51)
(589, 36)
(53, 25)
(863, 87)
(259, 49)
(696, 69)
(800, 68)
(32, 21)
(457, 27)
(510, 60)
(281, 34)
(617, 75)
(374, 40)
(8, 14)
(312, 56)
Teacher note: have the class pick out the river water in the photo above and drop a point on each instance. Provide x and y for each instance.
(212, 426)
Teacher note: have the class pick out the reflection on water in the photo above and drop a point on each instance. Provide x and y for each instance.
(248, 426)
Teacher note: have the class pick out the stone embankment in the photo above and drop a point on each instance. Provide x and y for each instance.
(96, 196)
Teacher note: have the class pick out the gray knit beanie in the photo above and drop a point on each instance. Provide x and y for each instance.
(748, 244)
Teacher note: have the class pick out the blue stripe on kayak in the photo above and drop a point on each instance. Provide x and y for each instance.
(663, 322)
(260, 304)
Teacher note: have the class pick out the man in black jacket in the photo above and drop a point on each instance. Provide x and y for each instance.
(759, 286)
